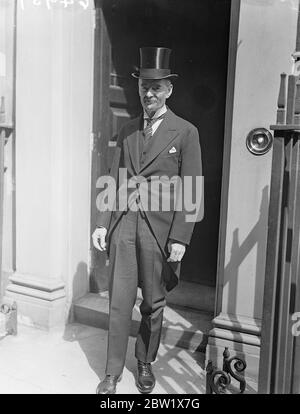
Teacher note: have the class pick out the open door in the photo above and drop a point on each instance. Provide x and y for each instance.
(198, 34)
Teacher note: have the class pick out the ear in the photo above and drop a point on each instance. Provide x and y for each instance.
(170, 91)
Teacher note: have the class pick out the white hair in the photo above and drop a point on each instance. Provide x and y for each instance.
(169, 84)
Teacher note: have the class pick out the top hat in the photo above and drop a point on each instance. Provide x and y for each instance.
(154, 63)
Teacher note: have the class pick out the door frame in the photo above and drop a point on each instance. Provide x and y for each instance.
(229, 102)
(100, 88)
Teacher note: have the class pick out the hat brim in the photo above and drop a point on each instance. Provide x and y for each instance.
(137, 75)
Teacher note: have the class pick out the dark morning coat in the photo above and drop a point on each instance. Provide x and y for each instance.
(173, 133)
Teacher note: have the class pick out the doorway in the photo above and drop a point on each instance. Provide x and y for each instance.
(198, 34)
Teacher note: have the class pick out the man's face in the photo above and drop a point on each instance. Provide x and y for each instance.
(154, 93)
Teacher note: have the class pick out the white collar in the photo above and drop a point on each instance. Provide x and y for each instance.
(158, 113)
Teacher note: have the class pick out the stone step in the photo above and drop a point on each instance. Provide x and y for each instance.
(182, 327)
(193, 295)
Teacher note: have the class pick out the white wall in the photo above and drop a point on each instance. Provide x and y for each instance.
(266, 40)
(54, 122)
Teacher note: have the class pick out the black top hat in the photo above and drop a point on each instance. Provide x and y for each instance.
(154, 63)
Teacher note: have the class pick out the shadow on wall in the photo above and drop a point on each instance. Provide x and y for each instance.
(239, 252)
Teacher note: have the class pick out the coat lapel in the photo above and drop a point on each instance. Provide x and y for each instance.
(133, 145)
(164, 134)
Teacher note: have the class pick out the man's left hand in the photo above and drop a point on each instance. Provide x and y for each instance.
(176, 251)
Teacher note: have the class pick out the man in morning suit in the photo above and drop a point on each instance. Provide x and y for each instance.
(145, 242)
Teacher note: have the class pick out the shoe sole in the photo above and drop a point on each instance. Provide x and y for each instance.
(119, 379)
(145, 391)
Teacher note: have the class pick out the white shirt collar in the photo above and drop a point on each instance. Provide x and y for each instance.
(158, 113)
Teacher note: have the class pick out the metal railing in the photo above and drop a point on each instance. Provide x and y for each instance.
(280, 351)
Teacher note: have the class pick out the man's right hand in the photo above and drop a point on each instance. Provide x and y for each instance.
(99, 238)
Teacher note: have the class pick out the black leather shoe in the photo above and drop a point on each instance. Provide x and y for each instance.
(108, 384)
(145, 379)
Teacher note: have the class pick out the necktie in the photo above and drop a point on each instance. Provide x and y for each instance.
(148, 130)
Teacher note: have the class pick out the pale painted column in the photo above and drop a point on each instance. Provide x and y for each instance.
(266, 40)
(7, 13)
(53, 127)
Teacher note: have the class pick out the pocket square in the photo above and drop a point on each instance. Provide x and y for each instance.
(172, 150)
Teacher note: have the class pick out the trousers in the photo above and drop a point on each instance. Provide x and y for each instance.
(135, 260)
